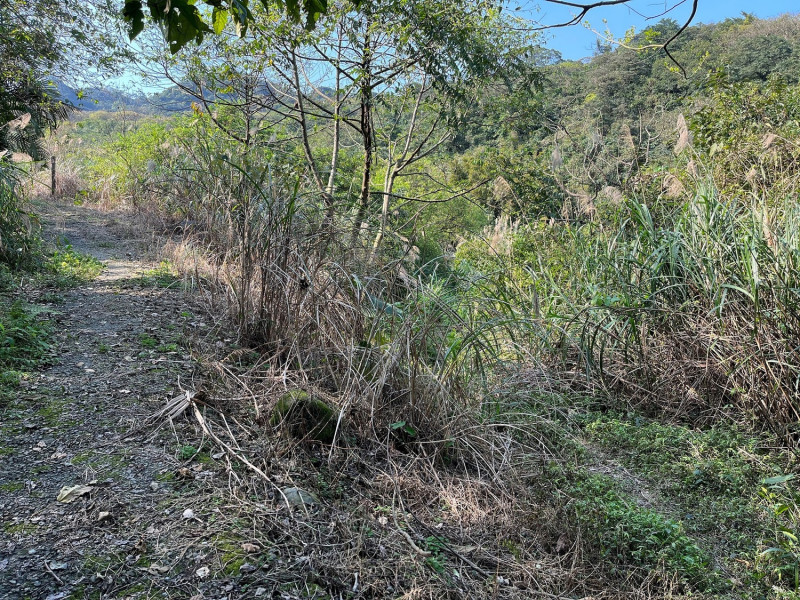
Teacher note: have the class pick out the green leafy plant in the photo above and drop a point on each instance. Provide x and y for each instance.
(626, 533)
(24, 336)
(436, 560)
(66, 267)
(781, 559)
(406, 428)
(187, 452)
(147, 341)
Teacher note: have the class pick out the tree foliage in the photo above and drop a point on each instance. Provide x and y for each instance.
(184, 21)
(41, 40)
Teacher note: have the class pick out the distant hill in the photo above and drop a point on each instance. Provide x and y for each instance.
(169, 101)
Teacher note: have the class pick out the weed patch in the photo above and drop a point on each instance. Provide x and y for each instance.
(163, 276)
(66, 268)
(53, 413)
(721, 460)
(11, 487)
(624, 533)
(24, 338)
(147, 341)
(779, 559)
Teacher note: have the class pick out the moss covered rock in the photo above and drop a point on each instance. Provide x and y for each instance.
(305, 416)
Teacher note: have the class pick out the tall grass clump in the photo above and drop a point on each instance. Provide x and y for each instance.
(19, 227)
(688, 307)
(399, 353)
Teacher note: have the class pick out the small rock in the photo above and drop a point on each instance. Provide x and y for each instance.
(103, 516)
(260, 591)
(203, 572)
(305, 416)
(246, 568)
(157, 569)
(153, 485)
(188, 514)
(297, 497)
(250, 548)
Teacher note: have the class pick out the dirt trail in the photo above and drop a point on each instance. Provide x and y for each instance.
(118, 356)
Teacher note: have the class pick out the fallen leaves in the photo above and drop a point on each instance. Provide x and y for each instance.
(70, 493)
(184, 473)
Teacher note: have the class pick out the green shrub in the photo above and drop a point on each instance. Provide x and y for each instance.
(625, 533)
(24, 337)
(19, 228)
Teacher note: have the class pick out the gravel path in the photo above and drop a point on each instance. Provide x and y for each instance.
(118, 355)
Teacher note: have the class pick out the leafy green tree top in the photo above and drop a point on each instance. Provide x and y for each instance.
(41, 40)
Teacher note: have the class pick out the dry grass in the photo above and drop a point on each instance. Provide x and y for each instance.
(393, 522)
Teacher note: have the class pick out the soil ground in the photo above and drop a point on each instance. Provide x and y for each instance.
(117, 357)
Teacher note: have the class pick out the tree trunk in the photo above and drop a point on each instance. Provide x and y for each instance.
(366, 133)
(330, 189)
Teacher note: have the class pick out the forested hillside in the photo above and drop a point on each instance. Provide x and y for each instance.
(463, 319)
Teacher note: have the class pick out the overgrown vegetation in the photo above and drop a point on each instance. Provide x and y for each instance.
(25, 337)
(387, 241)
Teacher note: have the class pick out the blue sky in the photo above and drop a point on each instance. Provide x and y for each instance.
(578, 42)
